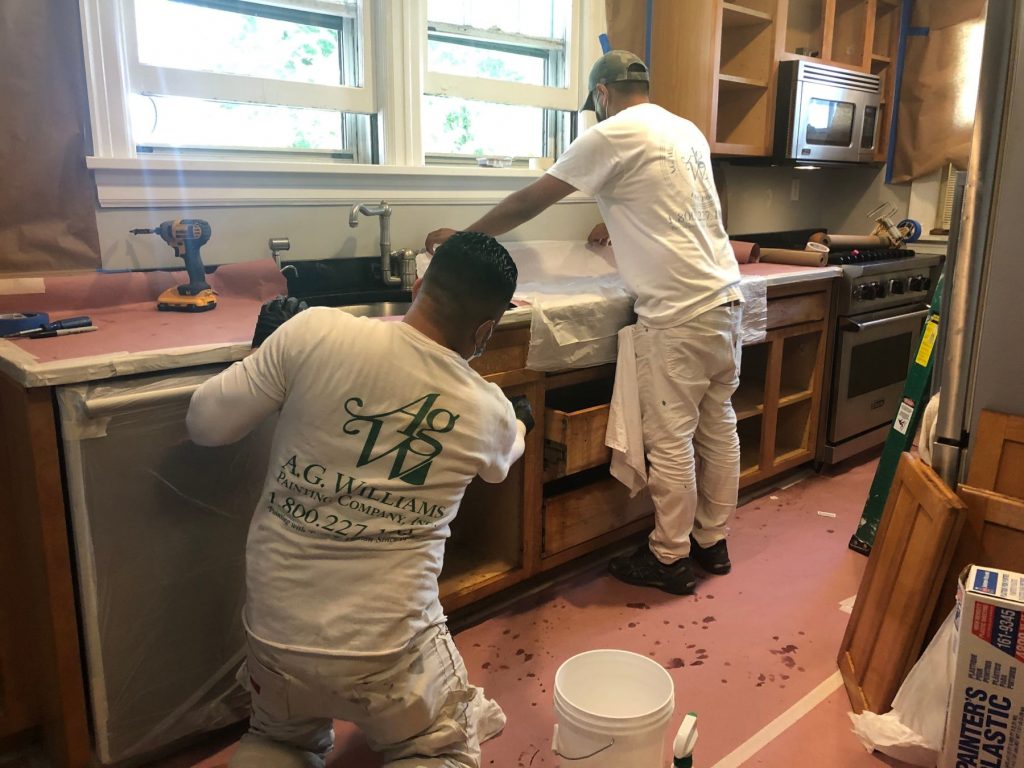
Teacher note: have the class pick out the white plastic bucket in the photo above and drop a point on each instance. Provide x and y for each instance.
(612, 709)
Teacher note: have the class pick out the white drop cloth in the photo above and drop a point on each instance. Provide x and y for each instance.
(625, 433)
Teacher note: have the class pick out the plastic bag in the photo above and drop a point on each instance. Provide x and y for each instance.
(913, 730)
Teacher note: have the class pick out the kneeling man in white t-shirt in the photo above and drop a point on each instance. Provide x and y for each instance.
(382, 426)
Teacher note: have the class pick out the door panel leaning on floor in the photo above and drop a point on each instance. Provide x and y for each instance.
(687, 375)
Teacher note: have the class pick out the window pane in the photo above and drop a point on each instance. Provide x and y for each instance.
(472, 61)
(183, 36)
(181, 121)
(460, 126)
(537, 18)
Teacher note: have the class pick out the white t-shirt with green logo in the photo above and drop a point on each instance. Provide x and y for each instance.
(380, 431)
(650, 173)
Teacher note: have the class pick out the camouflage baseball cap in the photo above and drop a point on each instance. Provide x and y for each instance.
(614, 67)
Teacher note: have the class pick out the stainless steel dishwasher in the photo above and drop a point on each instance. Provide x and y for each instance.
(159, 527)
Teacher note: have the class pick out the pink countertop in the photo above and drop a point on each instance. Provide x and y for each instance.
(778, 274)
(135, 337)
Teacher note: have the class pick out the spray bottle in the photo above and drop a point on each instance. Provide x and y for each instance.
(686, 740)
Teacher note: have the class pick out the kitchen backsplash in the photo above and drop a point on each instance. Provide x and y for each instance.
(759, 199)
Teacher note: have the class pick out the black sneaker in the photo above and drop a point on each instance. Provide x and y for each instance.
(713, 559)
(643, 569)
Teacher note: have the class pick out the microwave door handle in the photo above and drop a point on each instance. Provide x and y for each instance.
(858, 326)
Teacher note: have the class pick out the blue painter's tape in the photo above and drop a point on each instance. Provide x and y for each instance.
(605, 45)
(22, 321)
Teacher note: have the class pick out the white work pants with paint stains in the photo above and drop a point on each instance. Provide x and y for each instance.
(686, 376)
(416, 709)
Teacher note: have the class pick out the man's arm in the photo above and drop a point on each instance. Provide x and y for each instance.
(228, 406)
(497, 474)
(517, 208)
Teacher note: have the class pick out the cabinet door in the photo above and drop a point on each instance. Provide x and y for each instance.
(494, 539)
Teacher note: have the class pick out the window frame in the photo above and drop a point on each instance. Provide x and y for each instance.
(394, 55)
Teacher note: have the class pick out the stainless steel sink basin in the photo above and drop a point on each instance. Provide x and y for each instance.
(378, 309)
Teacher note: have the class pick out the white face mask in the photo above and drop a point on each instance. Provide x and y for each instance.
(599, 109)
(482, 345)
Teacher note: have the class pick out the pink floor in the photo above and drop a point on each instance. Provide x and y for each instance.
(742, 651)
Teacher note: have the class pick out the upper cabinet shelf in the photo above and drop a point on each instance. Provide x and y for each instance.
(716, 62)
(734, 15)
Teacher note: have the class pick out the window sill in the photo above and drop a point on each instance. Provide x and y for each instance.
(154, 182)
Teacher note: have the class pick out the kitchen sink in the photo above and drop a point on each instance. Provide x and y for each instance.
(378, 309)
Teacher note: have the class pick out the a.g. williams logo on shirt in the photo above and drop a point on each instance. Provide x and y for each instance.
(404, 435)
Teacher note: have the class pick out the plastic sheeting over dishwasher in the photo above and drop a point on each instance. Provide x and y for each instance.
(159, 527)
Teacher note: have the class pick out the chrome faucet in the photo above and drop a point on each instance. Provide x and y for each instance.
(383, 210)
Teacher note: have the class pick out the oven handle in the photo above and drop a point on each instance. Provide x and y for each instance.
(853, 325)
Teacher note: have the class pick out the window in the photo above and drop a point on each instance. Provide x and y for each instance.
(295, 87)
(499, 78)
(232, 75)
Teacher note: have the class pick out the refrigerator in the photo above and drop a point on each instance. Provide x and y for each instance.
(981, 359)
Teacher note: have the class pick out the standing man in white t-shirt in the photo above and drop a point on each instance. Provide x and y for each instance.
(650, 172)
(381, 427)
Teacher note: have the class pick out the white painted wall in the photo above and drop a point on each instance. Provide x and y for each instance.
(759, 200)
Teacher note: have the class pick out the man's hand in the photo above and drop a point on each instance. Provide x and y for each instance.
(524, 413)
(273, 314)
(599, 235)
(437, 237)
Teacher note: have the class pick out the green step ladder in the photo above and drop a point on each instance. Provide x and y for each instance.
(903, 429)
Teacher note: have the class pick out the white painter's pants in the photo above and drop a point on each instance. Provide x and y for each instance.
(686, 376)
(416, 709)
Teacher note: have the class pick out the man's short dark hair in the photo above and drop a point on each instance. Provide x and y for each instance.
(471, 279)
(631, 87)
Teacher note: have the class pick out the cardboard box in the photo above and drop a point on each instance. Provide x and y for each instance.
(985, 721)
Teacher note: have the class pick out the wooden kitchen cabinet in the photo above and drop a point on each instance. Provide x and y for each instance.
(495, 538)
(854, 34)
(714, 63)
(41, 682)
(779, 400)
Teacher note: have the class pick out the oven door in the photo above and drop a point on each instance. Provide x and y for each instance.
(835, 124)
(873, 354)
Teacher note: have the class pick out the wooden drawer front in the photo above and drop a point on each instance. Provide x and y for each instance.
(574, 440)
(506, 351)
(575, 517)
(791, 310)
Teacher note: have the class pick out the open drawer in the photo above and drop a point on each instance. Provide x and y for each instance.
(580, 514)
(575, 421)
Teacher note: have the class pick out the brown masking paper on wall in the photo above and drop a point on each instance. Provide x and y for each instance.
(939, 88)
(627, 25)
(47, 197)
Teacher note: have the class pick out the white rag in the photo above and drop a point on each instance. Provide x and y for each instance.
(625, 434)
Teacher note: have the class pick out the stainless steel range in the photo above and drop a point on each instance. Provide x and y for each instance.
(881, 307)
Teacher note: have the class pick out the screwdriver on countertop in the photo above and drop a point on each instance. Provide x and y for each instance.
(80, 321)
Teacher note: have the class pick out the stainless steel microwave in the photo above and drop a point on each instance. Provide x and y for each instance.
(826, 114)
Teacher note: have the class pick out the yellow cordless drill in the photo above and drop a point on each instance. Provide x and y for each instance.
(186, 236)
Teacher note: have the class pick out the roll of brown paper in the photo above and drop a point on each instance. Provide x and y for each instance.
(849, 242)
(796, 258)
(745, 253)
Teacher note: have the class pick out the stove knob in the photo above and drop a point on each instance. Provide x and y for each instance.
(916, 283)
(926, 283)
(896, 286)
(879, 290)
(867, 291)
